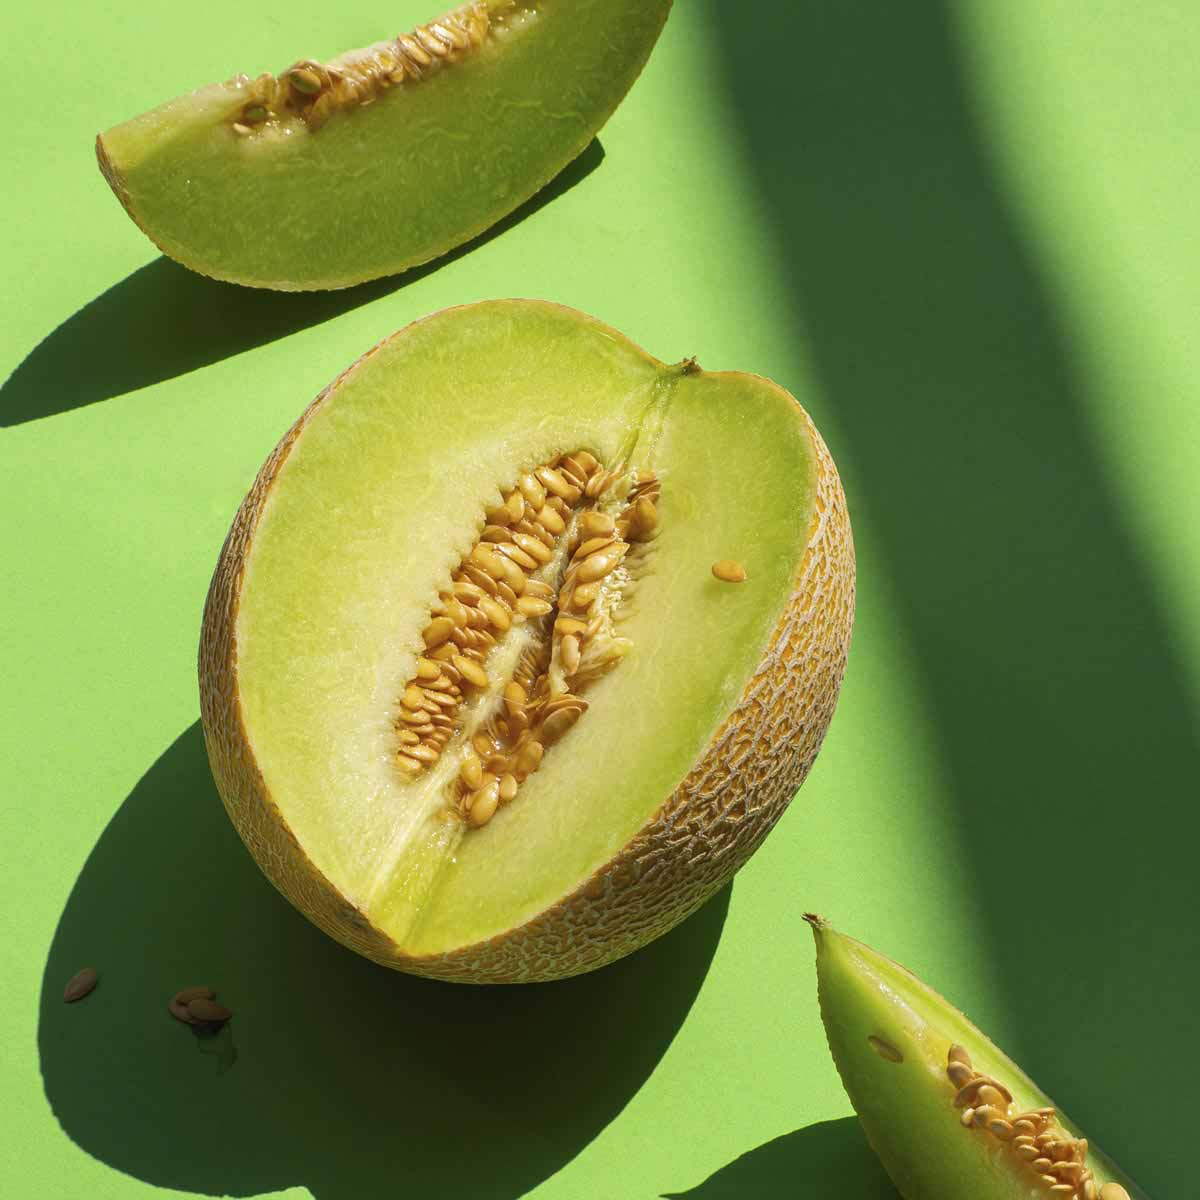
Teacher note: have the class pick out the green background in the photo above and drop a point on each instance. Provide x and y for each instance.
(965, 236)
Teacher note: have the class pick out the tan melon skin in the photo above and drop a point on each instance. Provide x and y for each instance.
(702, 833)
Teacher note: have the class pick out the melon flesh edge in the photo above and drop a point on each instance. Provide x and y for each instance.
(377, 501)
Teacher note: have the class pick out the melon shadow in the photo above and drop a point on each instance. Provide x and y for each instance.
(163, 321)
(951, 391)
(351, 1080)
(818, 1162)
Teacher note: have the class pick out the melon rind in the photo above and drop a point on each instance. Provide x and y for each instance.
(693, 843)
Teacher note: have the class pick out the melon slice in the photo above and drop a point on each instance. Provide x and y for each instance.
(329, 174)
(471, 691)
(948, 1113)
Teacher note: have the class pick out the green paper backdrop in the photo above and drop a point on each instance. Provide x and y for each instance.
(964, 234)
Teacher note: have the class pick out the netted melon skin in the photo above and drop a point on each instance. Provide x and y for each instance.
(701, 835)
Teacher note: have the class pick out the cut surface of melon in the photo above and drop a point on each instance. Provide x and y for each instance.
(371, 176)
(690, 746)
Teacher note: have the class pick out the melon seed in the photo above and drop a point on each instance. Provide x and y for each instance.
(209, 1011)
(305, 81)
(81, 984)
(484, 803)
(727, 570)
(199, 992)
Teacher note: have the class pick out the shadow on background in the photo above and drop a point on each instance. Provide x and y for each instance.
(820, 1162)
(1069, 735)
(164, 320)
(351, 1080)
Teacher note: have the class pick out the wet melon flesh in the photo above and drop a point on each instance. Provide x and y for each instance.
(368, 190)
(891, 1037)
(379, 498)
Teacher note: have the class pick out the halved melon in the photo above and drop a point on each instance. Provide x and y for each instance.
(329, 174)
(471, 691)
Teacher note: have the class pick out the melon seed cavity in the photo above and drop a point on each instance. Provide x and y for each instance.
(307, 93)
(1056, 1160)
(555, 560)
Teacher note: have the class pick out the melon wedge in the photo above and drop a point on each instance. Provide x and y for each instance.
(949, 1114)
(332, 173)
(675, 731)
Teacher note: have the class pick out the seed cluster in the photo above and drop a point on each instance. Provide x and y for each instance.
(552, 522)
(312, 91)
(1057, 1159)
(198, 1006)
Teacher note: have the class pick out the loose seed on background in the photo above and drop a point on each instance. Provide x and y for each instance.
(198, 992)
(81, 984)
(209, 1011)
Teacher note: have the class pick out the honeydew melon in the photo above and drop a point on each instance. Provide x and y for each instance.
(672, 734)
(331, 173)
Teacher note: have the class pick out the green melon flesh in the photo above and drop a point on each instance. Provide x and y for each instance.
(383, 493)
(907, 1108)
(376, 189)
